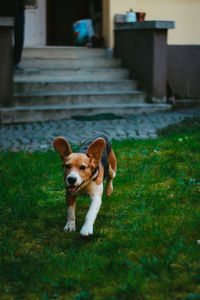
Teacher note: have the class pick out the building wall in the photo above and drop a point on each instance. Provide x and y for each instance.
(114, 7)
(185, 13)
(106, 23)
(6, 63)
(183, 70)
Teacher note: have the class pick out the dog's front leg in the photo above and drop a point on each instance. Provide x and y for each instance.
(96, 196)
(71, 206)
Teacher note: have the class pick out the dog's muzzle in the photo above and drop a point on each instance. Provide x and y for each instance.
(73, 183)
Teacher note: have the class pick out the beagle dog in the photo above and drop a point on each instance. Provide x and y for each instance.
(84, 173)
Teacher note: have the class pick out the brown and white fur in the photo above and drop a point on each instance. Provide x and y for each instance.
(84, 173)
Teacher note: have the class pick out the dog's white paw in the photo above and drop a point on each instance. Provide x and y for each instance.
(86, 230)
(70, 226)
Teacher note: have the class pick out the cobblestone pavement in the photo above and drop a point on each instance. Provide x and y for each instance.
(40, 135)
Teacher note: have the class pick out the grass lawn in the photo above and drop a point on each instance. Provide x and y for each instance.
(145, 237)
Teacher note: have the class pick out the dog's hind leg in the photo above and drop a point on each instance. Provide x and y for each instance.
(111, 173)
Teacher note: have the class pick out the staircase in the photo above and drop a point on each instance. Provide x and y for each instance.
(59, 83)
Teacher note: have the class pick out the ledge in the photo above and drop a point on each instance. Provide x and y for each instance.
(145, 25)
(7, 22)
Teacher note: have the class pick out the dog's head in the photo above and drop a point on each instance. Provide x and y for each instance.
(79, 168)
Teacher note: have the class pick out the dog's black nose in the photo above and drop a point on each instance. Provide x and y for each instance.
(71, 180)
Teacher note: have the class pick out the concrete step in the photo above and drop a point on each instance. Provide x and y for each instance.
(184, 103)
(54, 85)
(64, 52)
(78, 98)
(23, 114)
(83, 74)
(61, 82)
(95, 62)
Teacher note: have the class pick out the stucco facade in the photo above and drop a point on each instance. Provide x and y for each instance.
(184, 12)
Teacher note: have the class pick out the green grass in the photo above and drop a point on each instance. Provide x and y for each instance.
(145, 237)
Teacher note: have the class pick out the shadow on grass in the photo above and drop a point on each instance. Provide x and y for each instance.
(188, 124)
(98, 117)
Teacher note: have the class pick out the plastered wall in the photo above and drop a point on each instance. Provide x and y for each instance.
(186, 14)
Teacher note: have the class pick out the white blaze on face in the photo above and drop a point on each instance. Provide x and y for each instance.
(76, 175)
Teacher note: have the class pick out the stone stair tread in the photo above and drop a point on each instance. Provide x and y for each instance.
(83, 74)
(179, 103)
(27, 58)
(69, 56)
(28, 86)
(89, 69)
(60, 63)
(23, 114)
(63, 51)
(66, 80)
(87, 93)
(63, 48)
(86, 106)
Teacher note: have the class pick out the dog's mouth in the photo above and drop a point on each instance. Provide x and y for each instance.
(73, 189)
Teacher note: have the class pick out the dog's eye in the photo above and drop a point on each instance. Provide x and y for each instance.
(82, 167)
(67, 166)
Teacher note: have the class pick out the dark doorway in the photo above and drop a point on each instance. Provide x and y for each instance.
(61, 14)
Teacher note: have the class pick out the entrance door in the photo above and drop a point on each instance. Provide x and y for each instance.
(61, 14)
(35, 24)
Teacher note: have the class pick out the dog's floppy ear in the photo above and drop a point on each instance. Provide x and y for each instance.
(96, 148)
(62, 146)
